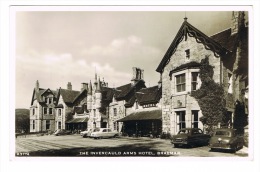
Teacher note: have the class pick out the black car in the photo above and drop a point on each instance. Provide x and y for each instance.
(190, 137)
(226, 139)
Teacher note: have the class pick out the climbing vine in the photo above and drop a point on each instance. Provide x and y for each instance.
(210, 97)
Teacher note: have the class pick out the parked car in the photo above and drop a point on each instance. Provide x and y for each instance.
(226, 139)
(88, 132)
(59, 132)
(190, 137)
(104, 133)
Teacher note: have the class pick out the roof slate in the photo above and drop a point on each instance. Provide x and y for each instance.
(69, 95)
(143, 115)
(149, 95)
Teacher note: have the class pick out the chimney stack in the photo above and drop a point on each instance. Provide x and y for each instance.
(138, 74)
(237, 21)
(69, 86)
(84, 86)
(37, 86)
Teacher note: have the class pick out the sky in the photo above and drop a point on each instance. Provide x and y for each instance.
(57, 47)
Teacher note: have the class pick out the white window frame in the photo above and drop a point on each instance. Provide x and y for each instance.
(115, 111)
(59, 112)
(188, 81)
(183, 83)
(193, 118)
(33, 124)
(48, 122)
(50, 111)
(181, 124)
(45, 108)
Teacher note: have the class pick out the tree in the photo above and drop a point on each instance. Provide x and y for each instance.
(22, 120)
(210, 97)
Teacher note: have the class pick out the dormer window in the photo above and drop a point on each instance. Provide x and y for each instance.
(187, 53)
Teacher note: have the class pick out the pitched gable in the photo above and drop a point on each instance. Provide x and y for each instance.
(188, 30)
(68, 95)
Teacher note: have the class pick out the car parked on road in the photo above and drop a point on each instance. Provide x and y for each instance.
(104, 133)
(88, 132)
(190, 137)
(59, 132)
(226, 139)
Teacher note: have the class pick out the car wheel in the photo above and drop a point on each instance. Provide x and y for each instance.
(176, 145)
(115, 135)
(84, 136)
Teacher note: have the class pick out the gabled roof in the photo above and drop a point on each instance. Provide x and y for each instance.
(188, 30)
(231, 42)
(38, 95)
(82, 93)
(68, 95)
(124, 91)
(149, 95)
(226, 39)
(107, 93)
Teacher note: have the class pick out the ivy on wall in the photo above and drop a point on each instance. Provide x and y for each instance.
(210, 97)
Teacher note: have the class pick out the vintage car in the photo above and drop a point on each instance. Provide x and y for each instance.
(59, 132)
(103, 133)
(88, 132)
(190, 137)
(226, 139)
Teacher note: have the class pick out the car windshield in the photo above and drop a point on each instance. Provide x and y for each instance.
(222, 133)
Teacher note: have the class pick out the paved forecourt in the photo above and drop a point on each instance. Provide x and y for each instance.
(137, 146)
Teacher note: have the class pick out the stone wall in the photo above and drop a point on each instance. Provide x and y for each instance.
(197, 53)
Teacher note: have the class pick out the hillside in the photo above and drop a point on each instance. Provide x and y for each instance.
(22, 120)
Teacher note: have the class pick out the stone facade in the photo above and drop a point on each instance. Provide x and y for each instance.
(179, 72)
(96, 106)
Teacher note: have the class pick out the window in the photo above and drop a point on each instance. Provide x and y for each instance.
(181, 119)
(115, 112)
(187, 52)
(180, 82)
(94, 113)
(230, 83)
(48, 124)
(33, 124)
(116, 126)
(136, 105)
(195, 118)
(44, 110)
(59, 112)
(33, 111)
(59, 125)
(50, 111)
(194, 80)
